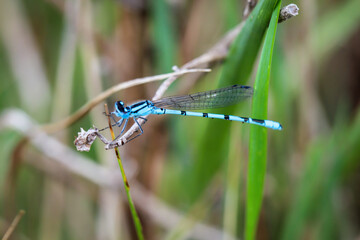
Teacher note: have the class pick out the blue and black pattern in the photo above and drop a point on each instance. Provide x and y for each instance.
(204, 100)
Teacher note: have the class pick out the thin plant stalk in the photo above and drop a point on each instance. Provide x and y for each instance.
(134, 214)
(13, 225)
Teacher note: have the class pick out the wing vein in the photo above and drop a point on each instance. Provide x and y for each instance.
(206, 100)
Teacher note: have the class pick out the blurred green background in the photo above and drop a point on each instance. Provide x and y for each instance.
(55, 55)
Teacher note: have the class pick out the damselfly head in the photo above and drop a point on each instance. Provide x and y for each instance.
(119, 106)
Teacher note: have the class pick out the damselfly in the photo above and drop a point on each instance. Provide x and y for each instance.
(203, 100)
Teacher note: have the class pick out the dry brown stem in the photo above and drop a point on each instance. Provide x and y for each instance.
(13, 225)
(68, 121)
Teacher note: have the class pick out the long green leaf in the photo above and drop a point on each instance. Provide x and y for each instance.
(258, 135)
(213, 148)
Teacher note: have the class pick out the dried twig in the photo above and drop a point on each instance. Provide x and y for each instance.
(13, 225)
(53, 127)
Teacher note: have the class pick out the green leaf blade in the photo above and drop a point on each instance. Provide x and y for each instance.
(258, 135)
(213, 147)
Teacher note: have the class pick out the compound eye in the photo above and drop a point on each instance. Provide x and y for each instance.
(119, 105)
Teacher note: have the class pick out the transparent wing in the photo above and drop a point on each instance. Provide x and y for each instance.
(205, 100)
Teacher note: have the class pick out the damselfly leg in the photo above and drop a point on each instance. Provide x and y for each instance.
(126, 121)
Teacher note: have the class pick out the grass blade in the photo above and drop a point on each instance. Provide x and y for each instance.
(237, 69)
(258, 135)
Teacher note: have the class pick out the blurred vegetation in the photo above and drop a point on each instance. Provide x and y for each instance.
(55, 55)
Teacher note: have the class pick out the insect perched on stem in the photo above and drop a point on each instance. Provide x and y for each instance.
(203, 100)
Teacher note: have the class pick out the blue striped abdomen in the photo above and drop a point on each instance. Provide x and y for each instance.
(264, 123)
